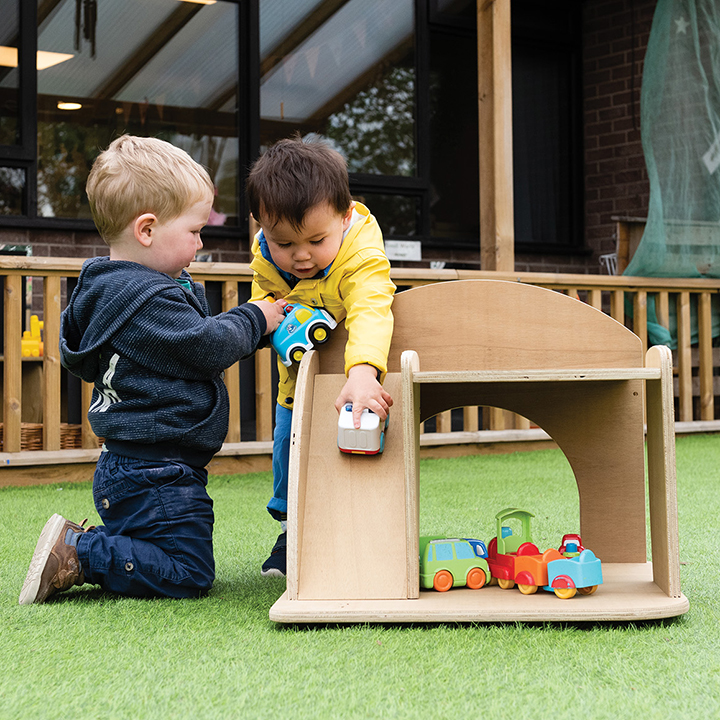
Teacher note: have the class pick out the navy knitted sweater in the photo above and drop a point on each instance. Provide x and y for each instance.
(156, 358)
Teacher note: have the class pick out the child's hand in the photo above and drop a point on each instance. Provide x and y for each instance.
(273, 312)
(363, 390)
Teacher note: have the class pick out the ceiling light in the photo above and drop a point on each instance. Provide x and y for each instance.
(45, 59)
(68, 106)
(201, 2)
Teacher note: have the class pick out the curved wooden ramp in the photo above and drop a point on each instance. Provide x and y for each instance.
(349, 511)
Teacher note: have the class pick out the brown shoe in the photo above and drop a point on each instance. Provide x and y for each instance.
(54, 565)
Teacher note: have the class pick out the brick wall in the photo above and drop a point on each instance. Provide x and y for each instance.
(56, 243)
(615, 39)
(61, 243)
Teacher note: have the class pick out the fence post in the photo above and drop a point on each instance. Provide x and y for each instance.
(263, 394)
(51, 362)
(12, 372)
(232, 374)
(684, 355)
(707, 394)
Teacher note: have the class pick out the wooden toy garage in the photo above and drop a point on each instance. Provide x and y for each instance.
(577, 373)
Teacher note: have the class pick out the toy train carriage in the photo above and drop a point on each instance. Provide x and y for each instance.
(452, 562)
(579, 574)
(514, 558)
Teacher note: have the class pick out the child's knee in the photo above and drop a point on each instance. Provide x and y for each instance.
(198, 586)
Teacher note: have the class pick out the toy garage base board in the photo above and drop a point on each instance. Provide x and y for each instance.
(627, 594)
(353, 522)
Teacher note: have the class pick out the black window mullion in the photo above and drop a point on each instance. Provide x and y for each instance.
(422, 111)
(28, 80)
(248, 98)
(21, 155)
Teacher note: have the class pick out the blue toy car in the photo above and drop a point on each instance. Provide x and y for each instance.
(302, 329)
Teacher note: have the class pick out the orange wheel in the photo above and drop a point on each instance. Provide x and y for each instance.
(565, 593)
(527, 589)
(506, 584)
(442, 581)
(587, 590)
(475, 579)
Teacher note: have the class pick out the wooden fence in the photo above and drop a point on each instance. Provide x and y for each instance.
(35, 430)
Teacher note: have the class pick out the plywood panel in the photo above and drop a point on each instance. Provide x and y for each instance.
(298, 466)
(599, 427)
(662, 483)
(354, 542)
(497, 325)
(627, 594)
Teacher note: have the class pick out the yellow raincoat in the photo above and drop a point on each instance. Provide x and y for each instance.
(356, 288)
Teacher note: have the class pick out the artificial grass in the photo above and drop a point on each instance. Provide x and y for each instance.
(88, 654)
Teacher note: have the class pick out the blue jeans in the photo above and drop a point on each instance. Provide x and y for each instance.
(277, 506)
(157, 533)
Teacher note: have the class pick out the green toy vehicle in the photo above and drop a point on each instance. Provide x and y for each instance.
(451, 562)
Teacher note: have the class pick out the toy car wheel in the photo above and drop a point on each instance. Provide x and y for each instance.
(527, 589)
(565, 593)
(587, 590)
(320, 334)
(506, 584)
(475, 579)
(296, 354)
(442, 581)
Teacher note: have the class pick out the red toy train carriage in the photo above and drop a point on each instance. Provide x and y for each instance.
(514, 559)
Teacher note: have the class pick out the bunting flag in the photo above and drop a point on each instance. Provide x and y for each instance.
(312, 56)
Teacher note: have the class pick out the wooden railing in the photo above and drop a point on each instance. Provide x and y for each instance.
(33, 394)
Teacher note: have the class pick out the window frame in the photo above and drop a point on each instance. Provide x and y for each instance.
(571, 43)
(24, 155)
(427, 20)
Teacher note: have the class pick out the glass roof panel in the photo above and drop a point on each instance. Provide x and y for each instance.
(277, 16)
(186, 72)
(349, 44)
(172, 77)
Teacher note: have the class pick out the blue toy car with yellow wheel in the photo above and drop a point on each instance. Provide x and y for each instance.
(302, 329)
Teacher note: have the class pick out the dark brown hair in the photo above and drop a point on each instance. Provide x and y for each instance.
(294, 175)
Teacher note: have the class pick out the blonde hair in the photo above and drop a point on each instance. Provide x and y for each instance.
(137, 175)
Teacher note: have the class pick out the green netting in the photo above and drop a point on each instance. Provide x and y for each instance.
(680, 127)
(658, 334)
